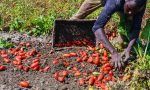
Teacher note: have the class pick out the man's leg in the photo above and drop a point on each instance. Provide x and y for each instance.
(87, 8)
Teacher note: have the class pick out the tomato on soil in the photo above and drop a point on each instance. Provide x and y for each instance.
(100, 77)
(66, 63)
(65, 73)
(56, 75)
(2, 68)
(81, 81)
(91, 80)
(26, 68)
(61, 79)
(24, 84)
(6, 60)
(79, 60)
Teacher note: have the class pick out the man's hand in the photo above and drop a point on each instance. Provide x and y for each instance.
(126, 55)
(117, 61)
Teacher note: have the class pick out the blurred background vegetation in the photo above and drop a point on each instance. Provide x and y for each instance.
(37, 16)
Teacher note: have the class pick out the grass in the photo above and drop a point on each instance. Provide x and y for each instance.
(36, 17)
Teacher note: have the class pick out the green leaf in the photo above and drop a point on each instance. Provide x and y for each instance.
(146, 31)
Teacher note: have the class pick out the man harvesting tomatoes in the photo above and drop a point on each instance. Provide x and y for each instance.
(130, 10)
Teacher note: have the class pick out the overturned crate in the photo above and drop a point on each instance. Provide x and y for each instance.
(68, 33)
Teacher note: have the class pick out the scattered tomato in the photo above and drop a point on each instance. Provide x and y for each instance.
(81, 81)
(56, 75)
(61, 79)
(24, 84)
(91, 80)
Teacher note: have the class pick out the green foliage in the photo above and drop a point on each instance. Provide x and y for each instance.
(41, 25)
(4, 44)
(146, 31)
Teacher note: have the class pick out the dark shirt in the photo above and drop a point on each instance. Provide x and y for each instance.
(113, 6)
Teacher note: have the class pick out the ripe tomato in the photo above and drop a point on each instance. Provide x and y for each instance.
(66, 55)
(101, 46)
(20, 67)
(110, 72)
(24, 84)
(77, 73)
(4, 55)
(28, 44)
(85, 58)
(33, 65)
(6, 60)
(105, 53)
(56, 75)
(79, 60)
(46, 68)
(100, 77)
(90, 60)
(75, 69)
(65, 73)
(26, 68)
(105, 58)
(91, 80)
(2, 68)
(56, 61)
(81, 81)
(66, 63)
(61, 79)
(35, 60)
(96, 62)
(73, 54)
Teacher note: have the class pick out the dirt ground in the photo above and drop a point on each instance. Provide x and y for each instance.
(10, 78)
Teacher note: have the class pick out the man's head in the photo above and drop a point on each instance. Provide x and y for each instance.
(133, 6)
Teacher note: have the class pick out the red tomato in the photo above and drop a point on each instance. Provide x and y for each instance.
(56, 61)
(100, 77)
(24, 84)
(3, 52)
(91, 80)
(2, 68)
(105, 53)
(28, 45)
(75, 69)
(109, 78)
(66, 63)
(17, 49)
(56, 75)
(26, 68)
(33, 65)
(96, 62)
(79, 60)
(4, 55)
(20, 67)
(81, 81)
(46, 68)
(101, 46)
(85, 74)
(15, 62)
(61, 79)
(66, 55)
(102, 85)
(73, 54)
(110, 72)
(6, 60)
(95, 55)
(90, 60)
(107, 68)
(85, 58)
(77, 73)
(65, 73)
(36, 68)
(18, 58)
(39, 55)
(35, 60)
(105, 58)
(106, 65)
